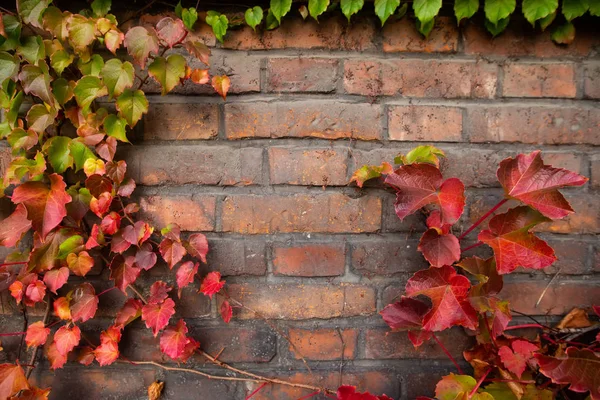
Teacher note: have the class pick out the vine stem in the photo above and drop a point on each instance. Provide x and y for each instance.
(106, 291)
(483, 218)
(256, 391)
(523, 326)
(31, 365)
(13, 263)
(471, 247)
(445, 350)
(479, 382)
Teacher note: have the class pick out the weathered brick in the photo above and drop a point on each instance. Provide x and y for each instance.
(240, 344)
(191, 212)
(322, 119)
(205, 165)
(309, 259)
(386, 256)
(192, 304)
(328, 213)
(560, 298)
(444, 79)
(240, 256)
(302, 74)
(595, 170)
(535, 125)
(422, 379)
(297, 166)
(181, 121)
(572, 257)
(296, 302)
(425, 123)
(381, 343)
(5, 158)
(323, 344)
(591, 83)
(403, 36)
(539, 80)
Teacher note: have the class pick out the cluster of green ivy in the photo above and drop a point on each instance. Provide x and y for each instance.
(540, 13)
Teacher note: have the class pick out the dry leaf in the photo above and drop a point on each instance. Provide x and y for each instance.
(577, 318)
(155, 390)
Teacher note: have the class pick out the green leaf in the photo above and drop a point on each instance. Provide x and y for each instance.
(421, 154)
(39, 117)
(21, 140)
(13, 112)
(495, 10)
(168, 72)
(87, 89)
(425, 28)
(219, 23)
(55, 21)
(20, 167)
(61, 59)
(465, 8)
(92, 67)
(593, 4)
(62, 90)
(254, 16)
(178, 9)
(426, 10)
(545, 22)
(572, 9)
(82, 32)
(189, 16)
(36, 80)
(117, 76)
(538, 9)
(318, 7)
(564, 34)
(116, 127)
(32, 49)
(280, 8)
(12, 29)
(69, 246)
(351, 7)
(9, 66)
(132, 105)
(385, 8)
(59, 155)
(80, 153)
(101, 7)
(271, 22)
(140, 42)
(31, 11)
(496, 29)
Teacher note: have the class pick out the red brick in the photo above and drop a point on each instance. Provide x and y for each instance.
(238, 344)
(425, 123)
(595, 173)
(591, 83)
(328, 213)
(241, 256)
(309, 260)
(535, 125)
(296, 302)
(560, 298)
(302, 74)
(181, 121)
(386, 256)
(323, 344)
(316, 118)
(205, 165)
(383, 344)
(520, 40)
(330, 33)
(403, 36)
(539, 80)
(191, 304)
(191, 212)
(297, 166)
(444, 79)
(572, 257)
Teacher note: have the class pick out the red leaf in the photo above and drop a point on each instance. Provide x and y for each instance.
(197, 246)
(485, 272)
(12, 380)
(171, 251)
(405, 314)
(86, 356)
(45, 206)
(145, 257)
(131, 310)
(157, 316)
(172, 231)
(107, 353)
(96, 238)
(138, 233)
(33, 393)
(66, 339)
(174, 339)
(185, 274)
(118, 244)
(84, 302)
(189, 349)
(126, 189)
(221, 85)
(350, 393)
(418, 337)
(447, 292)
(421, 184)
(97, 185)
(16, 290)
(226, 311)
(116, 171)
(434, 220)
(110, 223)
(62, 308)
(596, 310)
(57, 360)
(170, 30)
(101, 205)
(34, 293)
(579, 369)
(107, 148)
(439, 249)
(14, 226)
(37, 334)
(159, 291)
(123, 271)
(212, 284)
(56, 278)
(515, 359)
(513, 244)
(529, 180)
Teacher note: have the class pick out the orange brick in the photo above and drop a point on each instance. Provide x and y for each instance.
(316, 118)
(297, 302)
(309, 260)
(302, 74)
(539, 80)
(328, 213)
(425, 123)
(323, 344)
(191, 212)
(181, 121)
(403, 36)
(296, 166)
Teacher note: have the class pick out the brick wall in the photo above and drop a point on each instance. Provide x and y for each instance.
(265, 175)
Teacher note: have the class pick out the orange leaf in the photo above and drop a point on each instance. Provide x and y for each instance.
(221, 85)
